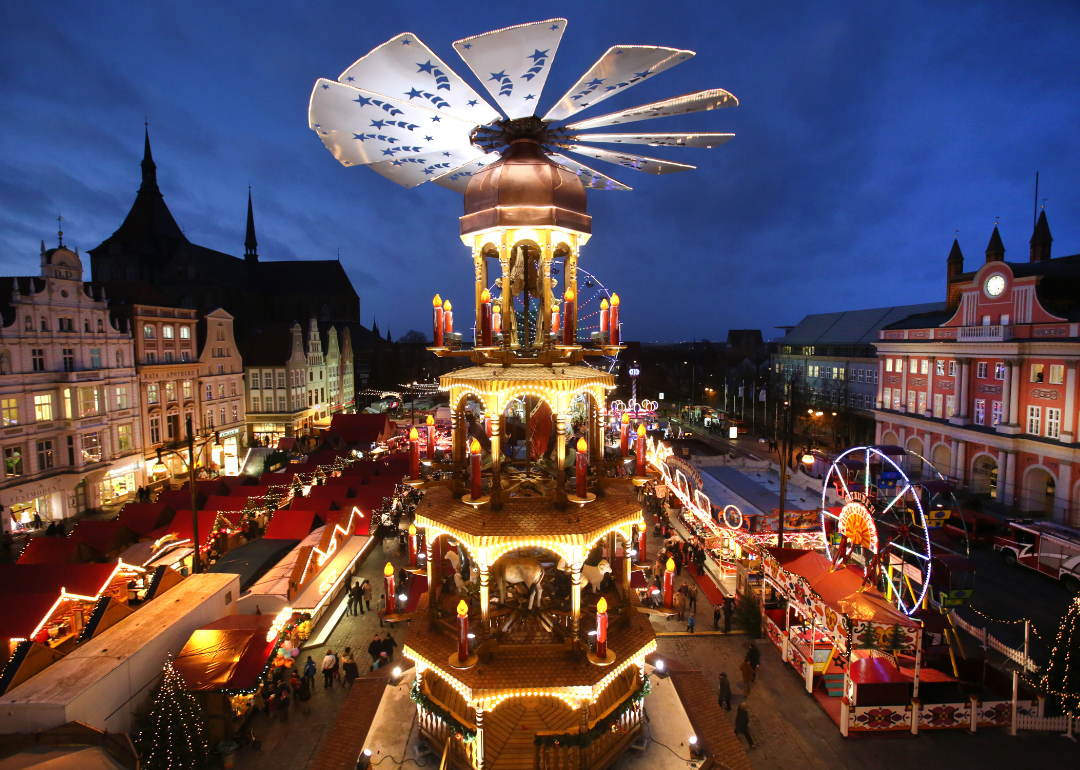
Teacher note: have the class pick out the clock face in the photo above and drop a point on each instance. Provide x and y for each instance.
(995, 284)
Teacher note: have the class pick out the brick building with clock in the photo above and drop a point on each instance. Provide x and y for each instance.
(986, 389)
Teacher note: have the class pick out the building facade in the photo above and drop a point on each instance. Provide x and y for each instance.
(221, 393)
(278, 385)
(72, 435)
(986, 389)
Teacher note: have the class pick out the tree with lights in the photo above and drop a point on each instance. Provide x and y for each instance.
(174, 737)
(1063, 670)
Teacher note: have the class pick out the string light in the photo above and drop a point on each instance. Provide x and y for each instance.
(175, 737)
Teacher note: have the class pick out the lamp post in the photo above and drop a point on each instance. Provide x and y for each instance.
(190, 463)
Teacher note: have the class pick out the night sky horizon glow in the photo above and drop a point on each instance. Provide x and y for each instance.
(866, 135)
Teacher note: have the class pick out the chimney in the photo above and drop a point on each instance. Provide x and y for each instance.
(953, 268)
(1041, 239)
(995, 250)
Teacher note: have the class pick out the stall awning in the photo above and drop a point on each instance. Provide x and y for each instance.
(57, 550)
(233, 502)
(332, 572)
(181, 526)
(290, 525)
(229, 654)
(252, 560)
(144, 518)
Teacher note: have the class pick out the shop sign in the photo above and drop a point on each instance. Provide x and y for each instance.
(28, 493)
(230, 432)
(123, 470)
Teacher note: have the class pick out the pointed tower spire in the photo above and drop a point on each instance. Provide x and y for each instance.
(995, 250)
(375, 327)
(251, 253)
(954, 266)
(149, 168)
(388, 339)
(1041, 239)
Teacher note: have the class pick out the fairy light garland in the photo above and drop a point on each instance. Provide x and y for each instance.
(175, 737)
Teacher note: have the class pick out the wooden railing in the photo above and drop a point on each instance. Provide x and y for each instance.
(596, 753)
(438, 733)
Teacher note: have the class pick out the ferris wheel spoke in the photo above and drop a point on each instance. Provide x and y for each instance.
(896, 499)
(916, 554)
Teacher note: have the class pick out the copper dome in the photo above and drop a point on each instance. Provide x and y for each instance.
(525, 189)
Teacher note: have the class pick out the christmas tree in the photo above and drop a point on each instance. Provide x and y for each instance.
(174, 737)
(1063, 671)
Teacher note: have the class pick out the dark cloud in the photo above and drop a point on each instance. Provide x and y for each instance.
(866, 135)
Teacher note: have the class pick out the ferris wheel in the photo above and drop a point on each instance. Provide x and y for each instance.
(881, 525)
(591, 292)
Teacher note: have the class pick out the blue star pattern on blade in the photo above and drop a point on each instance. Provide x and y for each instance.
(539, 60)
(438, 101)
(442, 82)
(537, 54)
(591, 87)
(406, 41)
(506, 85)
(426, 67)
(364, 101)
(473, 102)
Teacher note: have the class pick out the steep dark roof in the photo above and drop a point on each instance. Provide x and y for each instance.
(955, 255)
(1042, 230)
(995, 246)
(267, 345)
(300, 275)
(134, 293)
(922, 320)
(250, 244)
(853, 327)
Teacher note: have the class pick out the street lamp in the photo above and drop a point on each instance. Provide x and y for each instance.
(159, 467)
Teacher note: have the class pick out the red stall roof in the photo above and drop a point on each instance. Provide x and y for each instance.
(232, 482)
(20, 618)
(235, 502)
(177, 499)
(52, 550)
(144, 518)
(290, 525)
(181, 526)
(362, 428)
(333, 491)
(80, 579)
(361, 469)
(102, 536)
(319, 505)
(228, 654)
(208, 487)
(394, 466)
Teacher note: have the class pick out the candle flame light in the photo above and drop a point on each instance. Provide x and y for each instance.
(614, 300)
(569, 295)
(412, 530)
(601, 606)
(604, 304)
(582, 446)
(474, 447)
(485, 296)
(462, 609)
(641, 431)
(498, 309)
(625, 418)
(430, 420)
(670, 566)
(447, 305)
(388, 570)
(437, 302)
(413, 435)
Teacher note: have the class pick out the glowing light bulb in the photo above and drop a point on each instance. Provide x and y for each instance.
(388, 570)
(601, 606)
(437, 302)
(413, 435)
(582, 446)
(485, 296)
(474, 447)
(462, 609)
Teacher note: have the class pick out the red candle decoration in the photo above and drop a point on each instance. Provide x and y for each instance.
(669, 582)
(448, 318)
(496, 320)
(613, 321)
(437, 557)
(462, 631)
(485, 318)
(430, 438)
(604, 315)
(414, 454)
(412, 545)
(438, 320)
(640, 450)
(624, 436)
(476, 488)
(569, 319)
(641, 545)
(582, 467)
(601, 628)
(388, 587)
(555, 319)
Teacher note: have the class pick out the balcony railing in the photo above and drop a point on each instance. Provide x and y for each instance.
(984, 333)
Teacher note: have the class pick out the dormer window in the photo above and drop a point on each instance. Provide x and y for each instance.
(185, 332)
(148, 332)
(167, 332)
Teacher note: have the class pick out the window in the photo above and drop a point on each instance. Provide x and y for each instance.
(221, 369)
(13, 459)
(221, 390)
(185, 332)
(232, 388)
(148, 332)
(981, 370)
(888, 364)
(209, 418)
(268, 380)
(924, 366)
(29, 324)
(911, 401)
(311, 374)
(172, 425)
(119, 358)
(950, 406)
(255, 403)
(899, 365)
(151, 357)
(37, 356)
(886, 398)
(1057, 374)
(986, 320)
(322, 397)
(91, 447)
(1036, 373)
(1004, 319)
(999, 371)
(1034, 420)
(952, 368)
(42, 408)
(1053, 422)
(86, 324)
(44, 324)
(155, 430)
(221, 413)
(310, 398)
(235, 413)
(184, 356)
(939, 367)
(220, 333)
(88, 401)
(69, 359)
(168, 356)
(123, 438)
(980, 411)
(937, 405)
(998, 411)
(209, 392)
(11, 411)
(66, 324)
(45, 454)
(281, 403)
(896, 399)
(100, 326)
(186, 389)
(281, 379)
(95, 358)
(68, 408)
(922, 403)
(152, 395)
(122, 397)
(856, 375)
(170, 391)
(871, 371)
(167, 332)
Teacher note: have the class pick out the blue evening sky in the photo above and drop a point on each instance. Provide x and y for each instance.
(866, 135)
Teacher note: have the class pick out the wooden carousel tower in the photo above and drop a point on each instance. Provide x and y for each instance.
(530, 650)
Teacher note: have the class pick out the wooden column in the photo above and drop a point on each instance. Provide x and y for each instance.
(496, 458)
(611, 545)
(457, 434)
(509, 325)
(485, 577)
(478, 744)
(575, 597)
(560, 459)
(433, 609)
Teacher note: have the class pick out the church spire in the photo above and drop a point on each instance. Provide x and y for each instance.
(251, 253)
(995, 250)
(149, 168)
(1041, 239)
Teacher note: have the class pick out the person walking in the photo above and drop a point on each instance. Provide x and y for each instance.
(357, 595)
(717, 611)
(367, 596)
(309, 672)
(747, 672)
(328, 664)
(388, 646)
(729, 609)
(374, 649)
(691, 595)
(753, 657)
(352, 673)
(303, 695)
(690, 624)
(742, 724)
(271, 707)
(725, 691)
(350, 601)
(284, 697)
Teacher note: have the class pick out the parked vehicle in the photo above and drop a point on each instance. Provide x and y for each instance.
(1049, 548)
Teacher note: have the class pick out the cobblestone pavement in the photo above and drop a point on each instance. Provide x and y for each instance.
(295, 744)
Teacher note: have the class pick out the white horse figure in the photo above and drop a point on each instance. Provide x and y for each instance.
(455, 559)
(594, 576)
(462, 586)
(517, 570)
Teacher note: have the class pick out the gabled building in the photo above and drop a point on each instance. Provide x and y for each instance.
(221, 392)
(276, 370)
(985, 389)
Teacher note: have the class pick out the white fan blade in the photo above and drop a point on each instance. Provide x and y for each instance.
(620, 68)
(410, 171)
(406, 69)
(592, 179)
(636, 162)
(458, 179)
(379, 128)
(659, 140)
(713, 99)
(513, 63)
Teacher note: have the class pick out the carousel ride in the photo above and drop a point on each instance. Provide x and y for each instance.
(549, 669)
